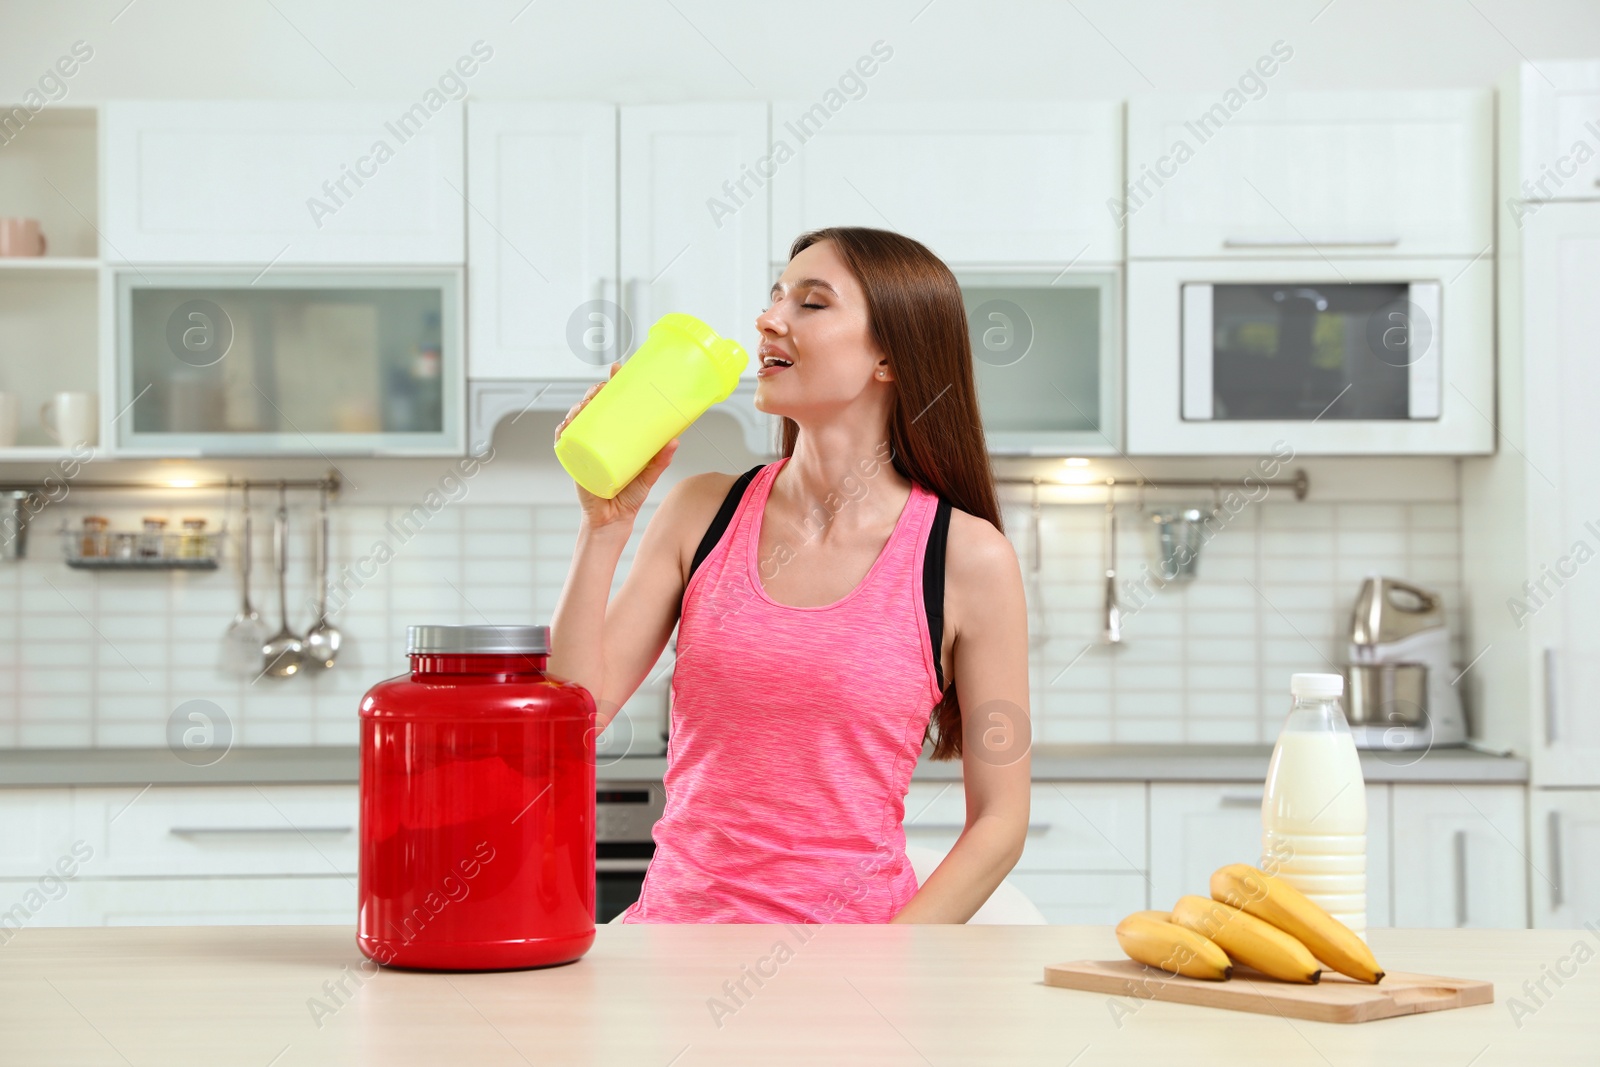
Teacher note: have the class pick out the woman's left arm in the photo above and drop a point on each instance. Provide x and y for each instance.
(991, 678)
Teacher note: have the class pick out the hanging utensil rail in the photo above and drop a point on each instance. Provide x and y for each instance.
(329, 484)
(1300, 483)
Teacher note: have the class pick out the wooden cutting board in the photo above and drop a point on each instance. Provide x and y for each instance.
(1335, 999)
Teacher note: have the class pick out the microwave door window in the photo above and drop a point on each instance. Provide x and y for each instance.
(1298, 351)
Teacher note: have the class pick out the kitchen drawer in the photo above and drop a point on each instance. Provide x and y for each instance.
(37, 830)
(219, 830)
(1196, 828)
(1071, 827)
(1072, 898)
(314, 901)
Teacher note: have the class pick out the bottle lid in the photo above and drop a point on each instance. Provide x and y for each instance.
(726, 354)
(477, 640)
(1316, 685)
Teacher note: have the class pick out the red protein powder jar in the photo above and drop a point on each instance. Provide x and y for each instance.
(477, 806)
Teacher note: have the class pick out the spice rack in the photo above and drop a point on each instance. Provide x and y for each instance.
(135, 550)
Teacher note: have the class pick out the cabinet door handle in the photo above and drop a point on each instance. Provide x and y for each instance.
(1461, 877)
(1304, 242)
(202, 831)
(1558, 893)
(957, 827)
(1550, 678)
(1242, 800)
(630, 304)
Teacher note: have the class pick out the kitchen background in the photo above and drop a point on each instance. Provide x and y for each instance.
(623, 153)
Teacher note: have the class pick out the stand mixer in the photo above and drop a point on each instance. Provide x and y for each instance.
(1398, 682)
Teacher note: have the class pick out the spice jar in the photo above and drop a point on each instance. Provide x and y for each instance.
(94, 536)
(150, 544)
(192, 543)
(124, 545)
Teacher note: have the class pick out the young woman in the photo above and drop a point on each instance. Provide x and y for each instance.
(819, 641)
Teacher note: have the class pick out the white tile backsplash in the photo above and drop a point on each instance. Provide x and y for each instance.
(104, 659)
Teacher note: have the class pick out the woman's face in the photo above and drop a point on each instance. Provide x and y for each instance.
(817, 320)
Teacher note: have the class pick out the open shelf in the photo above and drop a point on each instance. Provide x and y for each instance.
(21, 264)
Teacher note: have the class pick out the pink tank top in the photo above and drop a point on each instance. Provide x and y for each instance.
(794, 734)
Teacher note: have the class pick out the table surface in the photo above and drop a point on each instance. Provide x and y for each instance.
(666, 996)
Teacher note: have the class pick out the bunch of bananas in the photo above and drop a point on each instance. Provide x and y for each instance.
(1255, 919)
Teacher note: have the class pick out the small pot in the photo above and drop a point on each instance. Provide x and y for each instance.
(1386, 694)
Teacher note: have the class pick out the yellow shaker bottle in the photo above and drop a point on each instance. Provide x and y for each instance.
(682, 368)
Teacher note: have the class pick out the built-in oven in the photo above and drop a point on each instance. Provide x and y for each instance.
(625, 814)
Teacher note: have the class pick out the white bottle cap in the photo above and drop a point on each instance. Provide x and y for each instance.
(1316, 685)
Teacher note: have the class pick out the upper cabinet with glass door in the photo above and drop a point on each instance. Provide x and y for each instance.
(290, 362)
(1017, 199)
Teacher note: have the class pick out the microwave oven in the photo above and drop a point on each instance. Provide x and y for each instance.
(1292, 350)
(1337, 356)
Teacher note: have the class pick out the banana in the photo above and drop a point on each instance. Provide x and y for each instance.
(1248, 940)
(1281, 904)
(1172, 948)
(1158, 916)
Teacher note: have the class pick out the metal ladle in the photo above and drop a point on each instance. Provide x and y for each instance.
(283, 653)
(323, 639)
(246, 636)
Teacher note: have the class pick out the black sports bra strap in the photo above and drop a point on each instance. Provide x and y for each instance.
(719, 525)
(933, 583)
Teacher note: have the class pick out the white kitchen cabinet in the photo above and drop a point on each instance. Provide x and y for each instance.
(979, 182)
(1557, 610)
(326, 901)
(1071, 826)
(679, 250)
(541, 238)
(1459, 856)
(294, 182)
(1565, 857)
(174, 831)
(1196, 828)
(35, 831)
(1077, 898)
(1550, 123)
(1083, 861)
(1311, 174)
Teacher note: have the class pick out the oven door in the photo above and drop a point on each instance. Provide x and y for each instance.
(618, 880)
(1295, 351)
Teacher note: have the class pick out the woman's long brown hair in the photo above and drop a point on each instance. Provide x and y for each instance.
(918, 321)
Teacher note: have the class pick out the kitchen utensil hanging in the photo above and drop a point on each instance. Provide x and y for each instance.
(1038, 618)
(1112, 629)
(246, 637)
(283, 653)
(323, 639)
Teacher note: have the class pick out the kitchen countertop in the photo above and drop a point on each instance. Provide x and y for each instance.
(1084, 763)
(892, 995)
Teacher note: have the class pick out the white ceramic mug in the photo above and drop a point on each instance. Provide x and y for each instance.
(21, 237)
(10, 420)
(71, 418)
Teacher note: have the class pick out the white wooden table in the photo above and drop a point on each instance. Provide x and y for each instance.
(667, 995)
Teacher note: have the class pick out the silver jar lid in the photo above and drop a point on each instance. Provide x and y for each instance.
(477, 640)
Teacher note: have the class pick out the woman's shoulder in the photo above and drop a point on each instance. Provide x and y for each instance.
(976, 552)
(690, 506)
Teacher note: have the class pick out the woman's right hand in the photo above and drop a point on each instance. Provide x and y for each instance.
(624, 507)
